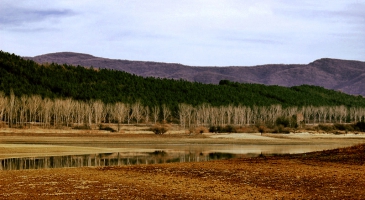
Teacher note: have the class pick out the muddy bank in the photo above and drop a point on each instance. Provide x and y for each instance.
(20, 144)
(34, 144)
(334, 174)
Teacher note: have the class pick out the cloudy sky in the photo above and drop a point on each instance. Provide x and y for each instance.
(191, 32)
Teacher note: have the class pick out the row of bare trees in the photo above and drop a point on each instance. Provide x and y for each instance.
(206, 115)
(25, 110)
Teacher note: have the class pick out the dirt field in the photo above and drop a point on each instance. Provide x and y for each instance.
(333, 174)
(337, 174)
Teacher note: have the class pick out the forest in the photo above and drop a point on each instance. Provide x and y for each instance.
(54, 95)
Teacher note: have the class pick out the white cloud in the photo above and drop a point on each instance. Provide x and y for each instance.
(193, 32)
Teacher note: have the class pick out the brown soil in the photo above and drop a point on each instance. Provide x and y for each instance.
(334, 174)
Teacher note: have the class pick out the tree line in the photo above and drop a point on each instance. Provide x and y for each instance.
(53, 81)
(26, 110)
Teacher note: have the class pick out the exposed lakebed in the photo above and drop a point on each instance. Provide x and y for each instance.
(41, 152)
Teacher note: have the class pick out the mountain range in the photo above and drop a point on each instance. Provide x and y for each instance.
(341, 75)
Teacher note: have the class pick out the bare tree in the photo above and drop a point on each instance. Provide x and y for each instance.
(22, 108)
(3, 105)
(342, 112)
(137, 111)
(155, 113)
(130, 113)
(98, 107)
(146, 113)
(229, 112)
(46, 111)
(120, 112)
(67, 111)
(185, 113)
(11, 108)
(34, 106)
(165, 112)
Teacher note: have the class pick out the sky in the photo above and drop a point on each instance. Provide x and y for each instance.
(190, 32)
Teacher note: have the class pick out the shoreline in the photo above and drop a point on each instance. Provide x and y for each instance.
(332, 174)
(54, 144)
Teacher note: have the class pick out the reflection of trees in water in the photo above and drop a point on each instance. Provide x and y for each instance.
(106, 159)
(158, 153)
(218, 155)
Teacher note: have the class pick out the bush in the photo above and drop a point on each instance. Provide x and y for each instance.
(82, 127)
(199, 130)
(160, 128)
(344, 127)
(326, 128)
(282, 121)
(229, 129)
(287, 122)
(261, 129)
(213, 129)
(360, 126)
(220, 129)
(281, 129)
(106, 128)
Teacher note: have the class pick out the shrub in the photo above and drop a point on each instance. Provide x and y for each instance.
(212, 129)
(283, 121)
(326, 128)
(281, 129)
(261, 129)
(199, 130)
(82, 127)
(229, 129)
(344, 127)
(360, 126)
(220, 129)
(106, 128)
(160, 128)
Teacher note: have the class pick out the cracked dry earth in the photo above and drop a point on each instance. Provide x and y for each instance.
(334, 174)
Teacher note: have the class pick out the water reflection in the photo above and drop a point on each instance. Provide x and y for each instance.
(108, 159)
(157, 154)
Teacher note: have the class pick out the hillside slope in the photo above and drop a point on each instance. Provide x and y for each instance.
(342, 75)
(25, 77)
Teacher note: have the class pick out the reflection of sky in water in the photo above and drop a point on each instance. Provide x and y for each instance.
(159, 154)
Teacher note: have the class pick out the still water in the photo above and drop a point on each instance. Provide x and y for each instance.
(157, 154)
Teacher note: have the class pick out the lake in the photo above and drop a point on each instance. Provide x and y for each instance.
(155, 154)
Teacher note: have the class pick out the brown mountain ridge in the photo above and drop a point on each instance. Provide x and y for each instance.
(342, 75)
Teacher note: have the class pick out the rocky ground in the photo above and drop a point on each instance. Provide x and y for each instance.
(333, 174)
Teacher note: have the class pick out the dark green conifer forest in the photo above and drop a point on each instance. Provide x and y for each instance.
(26, 77)
(53, 95)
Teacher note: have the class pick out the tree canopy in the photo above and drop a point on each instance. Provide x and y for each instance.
(52, 80)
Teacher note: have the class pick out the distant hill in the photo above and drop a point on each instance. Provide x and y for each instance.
(341, 75)
(26, 78)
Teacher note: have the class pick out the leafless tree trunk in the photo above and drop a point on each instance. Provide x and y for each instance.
(229, 112)
(68, 106)
(120, 112)
(3, 105)
(182, 115)
(155, 113)
(165, 112)
(11, 107)
(34, 104)
(130, 113)
(342, 112)
(137, 111)
(46, 111)
(146, 113)
(98, 107)
(22, 108)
